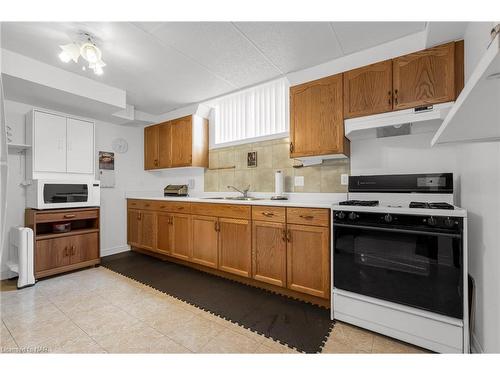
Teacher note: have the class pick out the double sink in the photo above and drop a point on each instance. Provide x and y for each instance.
(236, 198)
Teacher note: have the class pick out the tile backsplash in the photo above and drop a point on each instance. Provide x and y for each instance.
(271, 156)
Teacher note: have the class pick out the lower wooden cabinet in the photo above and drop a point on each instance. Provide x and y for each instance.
(141, 229)
(163, 233)
(83, 247)
(269, 252)
(235, 238)
(52, 253)
(308, 254)
(205, 240)
(181, 236)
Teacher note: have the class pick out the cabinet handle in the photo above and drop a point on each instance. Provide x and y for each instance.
(215, 226)
(307, 217)
(390, 97)
(162, 206)
(291, 146)
(268, 214)
(288, 236)
(284, 236)
(396, 96)
(66, 251)
(139, 215)
(69, 216)
(73, 252)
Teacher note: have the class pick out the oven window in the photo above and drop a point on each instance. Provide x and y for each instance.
(65, 193)
(418, 270)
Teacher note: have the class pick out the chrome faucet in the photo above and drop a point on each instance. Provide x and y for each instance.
(244, 191)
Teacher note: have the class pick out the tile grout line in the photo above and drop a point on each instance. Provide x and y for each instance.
(76, 324)
(10, 333)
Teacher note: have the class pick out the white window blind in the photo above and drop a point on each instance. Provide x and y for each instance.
(253, 113)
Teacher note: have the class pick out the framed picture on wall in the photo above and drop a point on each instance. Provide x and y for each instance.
(252, 159)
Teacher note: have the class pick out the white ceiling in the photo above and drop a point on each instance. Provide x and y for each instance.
(167, 65)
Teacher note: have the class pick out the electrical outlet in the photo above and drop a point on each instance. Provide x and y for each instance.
(299, 181)
(344, 179)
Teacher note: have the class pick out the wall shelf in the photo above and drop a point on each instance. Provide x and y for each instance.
(17, 147)
(476, 113)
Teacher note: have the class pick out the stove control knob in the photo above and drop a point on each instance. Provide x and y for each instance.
(449, 222)
(341, 215)
(388, 218)
(353, 216)
(431, 221)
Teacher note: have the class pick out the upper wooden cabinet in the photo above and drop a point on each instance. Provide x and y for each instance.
(368, 90)
(181, 142)
(425, 77)
(316, 118)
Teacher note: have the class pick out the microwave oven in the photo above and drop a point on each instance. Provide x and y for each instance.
(50, 194)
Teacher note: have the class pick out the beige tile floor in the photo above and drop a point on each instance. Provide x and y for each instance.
(99, 311)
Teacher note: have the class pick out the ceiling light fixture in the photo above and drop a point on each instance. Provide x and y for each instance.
(87, 50)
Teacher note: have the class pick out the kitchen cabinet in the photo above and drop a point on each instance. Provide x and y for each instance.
(49, 136)
(163, 233)
(80, 146)
(235, 246)
(181, 142)
(316, 118)
(368, 90)
(60, 144)
(269, 252)
(151, 147)
(308, 254)
(425, 77)
(205, 240)
(181, 236)
(62, 252)
(141, 230)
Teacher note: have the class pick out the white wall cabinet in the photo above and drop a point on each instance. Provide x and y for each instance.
(60, 144)
(80, 146)
(49, 135)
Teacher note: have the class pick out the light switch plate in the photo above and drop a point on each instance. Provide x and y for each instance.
(299, 181)
(344, 179)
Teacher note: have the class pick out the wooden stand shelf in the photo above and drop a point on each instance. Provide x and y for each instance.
(62, 252)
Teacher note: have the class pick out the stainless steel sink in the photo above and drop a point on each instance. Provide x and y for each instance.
(236, 198)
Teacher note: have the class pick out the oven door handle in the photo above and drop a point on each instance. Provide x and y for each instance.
(395, 230)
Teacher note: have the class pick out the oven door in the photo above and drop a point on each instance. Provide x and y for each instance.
(417, 268)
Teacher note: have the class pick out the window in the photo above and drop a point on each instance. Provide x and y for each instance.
(254, 114)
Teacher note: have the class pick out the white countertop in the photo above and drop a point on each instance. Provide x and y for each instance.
(313, 200)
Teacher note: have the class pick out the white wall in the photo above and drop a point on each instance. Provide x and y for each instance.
(479, 170)
(130, 176)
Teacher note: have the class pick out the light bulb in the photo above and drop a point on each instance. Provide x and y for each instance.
(64, 56)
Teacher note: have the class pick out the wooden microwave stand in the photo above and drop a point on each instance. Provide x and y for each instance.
(62, 252)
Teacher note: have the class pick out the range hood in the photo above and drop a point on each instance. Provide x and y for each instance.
(422, 119)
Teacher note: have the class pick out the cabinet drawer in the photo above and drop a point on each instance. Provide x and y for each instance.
(168, 206)
(268, 213)
(141, 204)
(45, 217)
(221, 210)
(308, 216)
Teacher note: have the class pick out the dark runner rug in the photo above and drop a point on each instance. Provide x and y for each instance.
(298, 324)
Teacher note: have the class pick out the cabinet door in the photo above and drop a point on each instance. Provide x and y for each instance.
(269, 252)
(308, 265)
(80, 146)
(52, 253)
(368, 90)
(151, 141)
(49, 142)
(316, 117)
(181, 236)
(148, 230)
(235, 246)
(134, 227)
(84, 247)
(205, 240)
(424, 77)
(182, 147)
(163, 233)
(164, 145)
